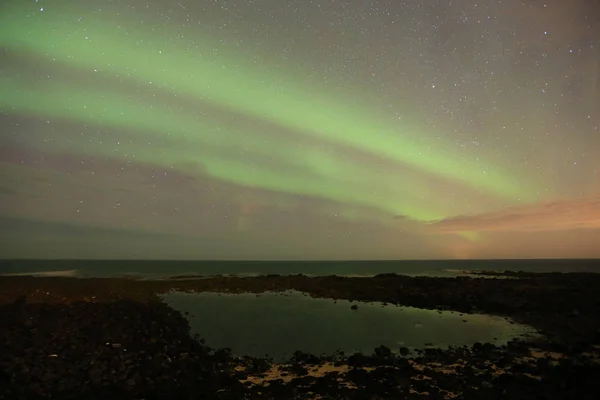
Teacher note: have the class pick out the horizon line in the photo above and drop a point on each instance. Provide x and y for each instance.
(300, 261)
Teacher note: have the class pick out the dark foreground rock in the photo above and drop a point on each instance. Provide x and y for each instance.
(109, 338)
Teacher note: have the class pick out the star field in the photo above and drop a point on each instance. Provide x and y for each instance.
(300, 129)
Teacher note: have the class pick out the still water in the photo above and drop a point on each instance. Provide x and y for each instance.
(277, 324)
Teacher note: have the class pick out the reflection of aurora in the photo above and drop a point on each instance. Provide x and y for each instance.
(248, 156)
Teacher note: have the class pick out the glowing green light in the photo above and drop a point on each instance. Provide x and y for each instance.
(138, 53)
(196, 140)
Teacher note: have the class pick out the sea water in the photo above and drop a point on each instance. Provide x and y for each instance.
(161, 269)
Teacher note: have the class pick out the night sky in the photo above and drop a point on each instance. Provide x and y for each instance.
(280, 129)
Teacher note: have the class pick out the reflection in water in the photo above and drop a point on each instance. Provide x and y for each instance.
(277, 324)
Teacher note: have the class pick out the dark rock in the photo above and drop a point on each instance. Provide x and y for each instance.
(383, 351)
(53, 348)
(487, 385)
(298, 370)
(304, 358)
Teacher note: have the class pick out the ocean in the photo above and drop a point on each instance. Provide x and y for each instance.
(162, 269)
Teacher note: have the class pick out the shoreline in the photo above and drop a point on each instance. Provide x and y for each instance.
(60, 320)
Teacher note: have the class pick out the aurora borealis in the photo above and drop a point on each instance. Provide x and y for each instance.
(304, 130)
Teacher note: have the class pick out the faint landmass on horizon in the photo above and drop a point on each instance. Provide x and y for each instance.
(157, 269)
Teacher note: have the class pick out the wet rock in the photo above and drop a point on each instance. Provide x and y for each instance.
(259, 365)
(159, 359)
(354, 307)
(487, 385)
(383, 351)
(298, 370)
(358, 360)
(304, 358)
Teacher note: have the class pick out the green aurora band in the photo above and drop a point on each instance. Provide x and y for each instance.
(191, 139)
(143, 55)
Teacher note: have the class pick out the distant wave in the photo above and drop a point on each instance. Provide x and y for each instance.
(64, 273)
(458, 271)
(472, 271)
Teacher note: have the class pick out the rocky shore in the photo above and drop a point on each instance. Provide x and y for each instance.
(71, 338)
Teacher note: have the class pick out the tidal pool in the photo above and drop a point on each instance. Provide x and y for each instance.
(277, 324)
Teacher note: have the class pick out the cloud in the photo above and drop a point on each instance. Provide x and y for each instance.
(580, 213)
(15, 226)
